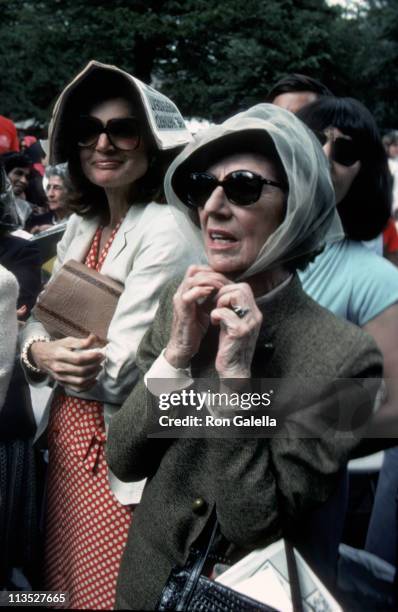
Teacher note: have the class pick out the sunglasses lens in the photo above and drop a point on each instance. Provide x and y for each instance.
(124, 133)
(88, 129)
(345, 152)
(199, 188)
(243, 188)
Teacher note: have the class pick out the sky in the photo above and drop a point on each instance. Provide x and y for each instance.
(348, 3)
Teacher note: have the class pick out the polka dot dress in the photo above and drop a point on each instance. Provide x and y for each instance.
(86, 527)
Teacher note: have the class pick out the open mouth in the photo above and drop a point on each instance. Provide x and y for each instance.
(221, 237)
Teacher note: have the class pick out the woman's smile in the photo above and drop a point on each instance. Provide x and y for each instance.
(104, 164)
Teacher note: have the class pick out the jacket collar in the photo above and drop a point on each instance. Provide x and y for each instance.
(121, 239)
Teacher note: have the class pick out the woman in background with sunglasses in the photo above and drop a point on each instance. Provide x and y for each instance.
(259, 188)
(359, 285)
(347, 277)
(109, 127)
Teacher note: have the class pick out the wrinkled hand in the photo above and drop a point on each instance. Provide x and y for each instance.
(238, 336)
(192, 304)
(69, 362)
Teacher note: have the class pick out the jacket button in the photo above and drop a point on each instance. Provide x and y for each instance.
(199, 505)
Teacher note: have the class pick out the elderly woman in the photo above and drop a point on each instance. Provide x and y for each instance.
(259, 187)
(117, 135)
(58, 190)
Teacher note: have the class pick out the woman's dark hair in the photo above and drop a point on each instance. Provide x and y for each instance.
(295, 83)
(366, 208)
(13, 159)
(87, 199)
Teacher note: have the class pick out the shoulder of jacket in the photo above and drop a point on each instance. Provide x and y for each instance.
(8, 281)
(154, 209)
(340, 332)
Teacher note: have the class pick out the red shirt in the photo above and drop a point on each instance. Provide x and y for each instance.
(390, 237)
(8, 136)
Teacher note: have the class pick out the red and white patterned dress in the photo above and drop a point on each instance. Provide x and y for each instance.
(86, 527)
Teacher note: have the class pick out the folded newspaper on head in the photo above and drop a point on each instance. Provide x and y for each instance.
(167, 124)
(263, 575)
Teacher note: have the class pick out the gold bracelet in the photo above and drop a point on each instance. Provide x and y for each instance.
(25, 351)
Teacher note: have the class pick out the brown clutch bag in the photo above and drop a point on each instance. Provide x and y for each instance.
(78, 301)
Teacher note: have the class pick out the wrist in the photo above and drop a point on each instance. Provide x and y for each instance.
(29, 360)
(176, 359)
(234, 374)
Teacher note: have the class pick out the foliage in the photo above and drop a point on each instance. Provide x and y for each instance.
(213, 58)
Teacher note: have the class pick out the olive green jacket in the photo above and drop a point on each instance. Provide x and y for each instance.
(259, 487)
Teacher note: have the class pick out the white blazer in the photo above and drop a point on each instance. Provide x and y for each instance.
(148, 250)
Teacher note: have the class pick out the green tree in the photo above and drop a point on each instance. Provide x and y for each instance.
(213, 58)
(377, 61)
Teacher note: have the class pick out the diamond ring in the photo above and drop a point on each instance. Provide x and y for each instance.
(240, 312)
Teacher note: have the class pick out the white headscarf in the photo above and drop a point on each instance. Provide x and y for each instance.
(311, 218)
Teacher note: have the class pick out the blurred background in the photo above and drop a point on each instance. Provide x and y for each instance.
(212, 57)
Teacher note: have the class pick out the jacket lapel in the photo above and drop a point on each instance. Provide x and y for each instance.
(122, 236)
(81, 242)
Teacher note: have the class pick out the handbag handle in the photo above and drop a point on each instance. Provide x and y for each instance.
(197, 567)
(294, 581)
(189, 587)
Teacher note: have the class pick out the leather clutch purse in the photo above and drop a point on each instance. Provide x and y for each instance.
(78, 301)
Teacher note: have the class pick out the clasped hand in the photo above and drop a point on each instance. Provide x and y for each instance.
(69, 362)
(206, 297)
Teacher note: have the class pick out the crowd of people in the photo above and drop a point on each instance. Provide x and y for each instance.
(262, 249)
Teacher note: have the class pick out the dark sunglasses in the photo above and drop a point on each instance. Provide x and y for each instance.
(123, 133)
(343, 151)
(241, 187)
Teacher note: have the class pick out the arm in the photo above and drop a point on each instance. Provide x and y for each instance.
(180, 324)
(27, 268)
(159, 256)
(8, 329)
(131, 455)
(58, 359)
(384, 330)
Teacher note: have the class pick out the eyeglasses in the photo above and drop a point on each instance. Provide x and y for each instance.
(343, 151)
(241, 187)
(123, 133)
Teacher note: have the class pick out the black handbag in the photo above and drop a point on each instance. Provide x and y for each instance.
(187, 589)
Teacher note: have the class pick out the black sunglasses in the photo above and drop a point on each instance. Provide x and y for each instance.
(241, 187)
(123, 133)
(343, 151)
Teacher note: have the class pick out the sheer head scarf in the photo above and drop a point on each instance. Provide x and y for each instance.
(311, 219)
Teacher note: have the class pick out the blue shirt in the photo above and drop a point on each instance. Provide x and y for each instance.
(351, 281)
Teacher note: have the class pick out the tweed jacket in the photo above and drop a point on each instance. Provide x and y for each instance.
(258, 487)
(146, 252)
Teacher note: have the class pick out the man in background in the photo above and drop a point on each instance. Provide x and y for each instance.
(295, 91)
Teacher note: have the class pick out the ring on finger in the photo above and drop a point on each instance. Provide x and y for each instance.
(239, 311)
